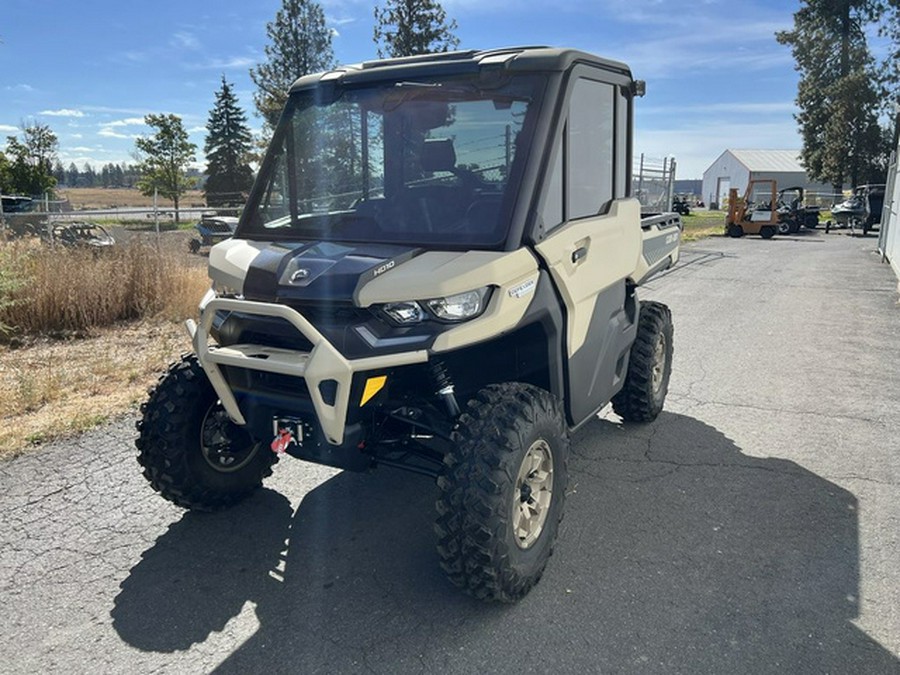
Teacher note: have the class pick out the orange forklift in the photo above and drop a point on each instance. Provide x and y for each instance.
(756, 213)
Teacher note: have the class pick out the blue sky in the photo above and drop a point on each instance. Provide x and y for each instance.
(716, 78)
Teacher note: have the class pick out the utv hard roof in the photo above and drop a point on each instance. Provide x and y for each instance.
(519, 59)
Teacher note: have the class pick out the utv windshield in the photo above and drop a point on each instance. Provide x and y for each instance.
(426, 163)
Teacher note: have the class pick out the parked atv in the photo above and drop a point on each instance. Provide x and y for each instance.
(212, 230)
(680, 206)
(79, 234)
(793, 213)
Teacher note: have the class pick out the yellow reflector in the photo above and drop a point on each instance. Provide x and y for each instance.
(373, 386)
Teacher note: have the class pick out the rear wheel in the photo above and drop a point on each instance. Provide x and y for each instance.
(642, 397)
(192, 453)
(767, 232)
(502, 492)
(784, 227)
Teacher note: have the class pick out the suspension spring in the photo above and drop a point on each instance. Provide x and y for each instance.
(444, 387)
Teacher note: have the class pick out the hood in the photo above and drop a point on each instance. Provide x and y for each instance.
(318, 271)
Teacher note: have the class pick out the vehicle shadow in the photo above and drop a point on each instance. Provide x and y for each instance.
(678, 554)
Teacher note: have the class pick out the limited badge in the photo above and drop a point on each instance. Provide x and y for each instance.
(522, 290)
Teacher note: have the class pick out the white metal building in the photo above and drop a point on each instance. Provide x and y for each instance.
(735, 168)
(889, 234)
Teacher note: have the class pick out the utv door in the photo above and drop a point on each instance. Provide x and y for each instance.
(595, 243)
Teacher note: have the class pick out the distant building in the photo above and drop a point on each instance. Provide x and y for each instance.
(690, 187)
(735, 169)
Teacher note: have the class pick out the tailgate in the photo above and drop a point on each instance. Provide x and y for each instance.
(661, 239)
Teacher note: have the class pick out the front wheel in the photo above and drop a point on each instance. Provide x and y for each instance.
(192, 453)
(642, 396)
(735, 231)
(502, 491)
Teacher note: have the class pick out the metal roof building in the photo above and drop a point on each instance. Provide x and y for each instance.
(735, 168)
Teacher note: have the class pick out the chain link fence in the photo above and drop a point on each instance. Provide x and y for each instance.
(653, 183)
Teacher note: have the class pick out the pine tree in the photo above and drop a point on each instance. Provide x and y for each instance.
(890, 68)
(165, 157)
(228, 144)
(410, 27)
(59, 172)
(300, 44)
(837, 93)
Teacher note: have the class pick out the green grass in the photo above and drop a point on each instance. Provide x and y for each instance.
(702, 224)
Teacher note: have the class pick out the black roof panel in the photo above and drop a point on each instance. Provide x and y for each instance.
(531, 58)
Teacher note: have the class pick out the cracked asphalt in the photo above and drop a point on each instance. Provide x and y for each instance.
(753, 528)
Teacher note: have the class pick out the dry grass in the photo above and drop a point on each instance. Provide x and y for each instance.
(55, 290)
(104, 198)
(52, 389)
(119, 315)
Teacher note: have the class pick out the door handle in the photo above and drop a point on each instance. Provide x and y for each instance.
(579, 254)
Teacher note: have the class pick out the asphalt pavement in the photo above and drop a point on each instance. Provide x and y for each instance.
(753, 528)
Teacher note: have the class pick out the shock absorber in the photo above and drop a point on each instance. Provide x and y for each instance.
(444, 387)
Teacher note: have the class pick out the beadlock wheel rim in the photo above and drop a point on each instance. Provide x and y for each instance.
(533, 494)
(219, 437)
(659, 363)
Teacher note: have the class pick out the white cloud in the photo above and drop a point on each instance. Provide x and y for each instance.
(695, 146)
(129, 122)
(109, 133)
(76, 135)
(62, 112)
(19, 87)
(342, 21)
(113, 111)
(8, 129)
(81, 148)
(197, 130)
(233, 63)
(186, 40)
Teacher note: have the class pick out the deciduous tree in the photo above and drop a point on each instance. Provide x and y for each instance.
(31, 159)
(300, 44)
(164, 158)
(410, 27)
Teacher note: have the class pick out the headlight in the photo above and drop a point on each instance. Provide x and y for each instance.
(453, 308)
(404, 313)
(459, 307)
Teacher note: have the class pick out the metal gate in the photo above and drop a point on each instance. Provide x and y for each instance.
(653, 183)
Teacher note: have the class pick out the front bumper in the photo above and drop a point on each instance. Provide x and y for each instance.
(322, 364)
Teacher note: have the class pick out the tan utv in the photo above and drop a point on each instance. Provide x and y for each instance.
(436, 271)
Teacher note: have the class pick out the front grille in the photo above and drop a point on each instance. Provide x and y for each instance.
(239, 328)
(261, 382)
(334, 314)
